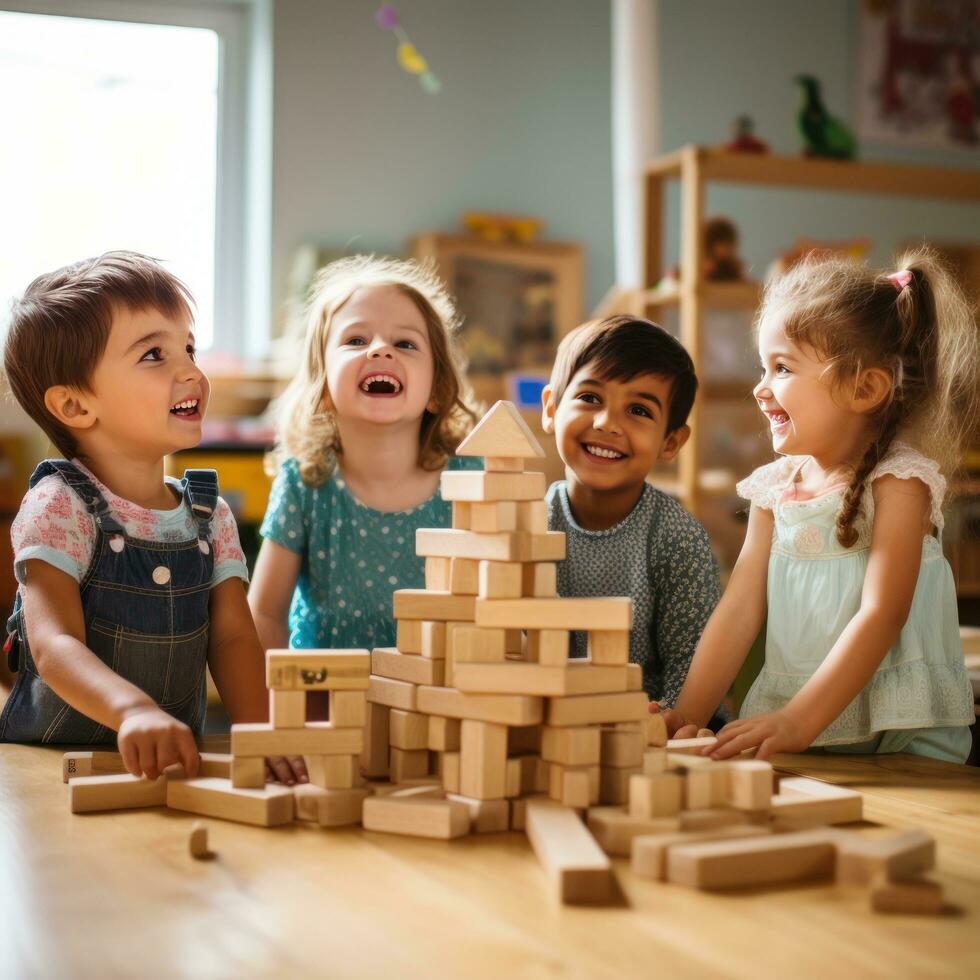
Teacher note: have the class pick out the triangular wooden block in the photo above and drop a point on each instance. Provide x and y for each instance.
(501, 432)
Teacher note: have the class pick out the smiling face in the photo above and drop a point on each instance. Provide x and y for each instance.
(610, 433)
(379, 359)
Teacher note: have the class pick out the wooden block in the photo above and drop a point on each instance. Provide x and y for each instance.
(577, 869)
(420, 604)
(407, 763)
(270, 806)
(416, 816)
(524, 741)
(91, 764)
(374, 755)
(654, 761)
(197, 841)
(656, 796)
(656, 729)
(494, 516)
(449, 771)
(422, 786)
(443, 734)
(502, 432)
(518, 810)
(568, 614)
(329, 807)
(576, 786)
(483, 760)
(482, 486)
(751, 784)
(486, 816)
(464, 577)
(571, 746)
(514, 641)
(510, 546)
(689, 746)
(452, 629)
(920, 897)
(598, 709)
(392, 693)
(634, 677)
(649, 856)
(714, 817)
(120, 791)
(897, 857)
(753, 860)
(408, 730)
(522, 775)
(287, 709)
(499, 579)
(537, 679)
(540, 579)
(317, 670)
(609, 647)
(408, 667)
(348, 709)
(434, 640)
(315, 738)
(813, 801)
(622, 749)
(504, 464)
(503, 709)
(473, 644)
(408, 637)
(461, 518)
(438, 576)
(331, 771)
(706, 786)
(532, 516)
(615, 829)
(614, 784)
(548, 647)
(248, 772)
(215, 764)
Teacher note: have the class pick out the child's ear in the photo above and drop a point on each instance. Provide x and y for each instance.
(673, 444)
(69, 406)
(547, 410)
(871, 388)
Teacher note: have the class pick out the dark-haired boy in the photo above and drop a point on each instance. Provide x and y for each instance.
(618, 400)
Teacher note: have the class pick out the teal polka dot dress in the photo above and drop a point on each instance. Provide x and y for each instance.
(353, 557)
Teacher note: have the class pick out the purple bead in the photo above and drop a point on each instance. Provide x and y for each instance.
(386, 17)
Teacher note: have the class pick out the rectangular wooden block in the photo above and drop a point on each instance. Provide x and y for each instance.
(609, 647)
(392, 693)
(443, 734)
(91, 764)
(690, 746)
(751, 784)
(416, 816)
(267, 807)
(615, 829)
(918, 897)
(548, 647)
(449, 771)
(418, 786)
(811, 800)
(656, 796)
(503, 709)
(348, 709)
(576, 786)
(649, 855)
(434, 640)
(486, 816)
(510, 546)
(461, 516)
(540, 579)
(499, 579)
(331, 771)
(656, 729)
(287, 709)
(493, 516)
(749, 861)
(408, 667)
(571, 746)
(407, 764)
(408, 637)
(120, 791)
(706, 786)
(622, 749)
(374, 755)
(420, 604)
(316, 738)
(654, 761)
(897, 857)
(714, 817)
(536, 679)
(522, 775)
(576, 868)
(598, 709)
(437, 578)
(215, 764)
(532, 516)
(634, 677)
(464, 576)
(317, 670)
(248, 772)
(483, 760)
(568, 614)
(614, 784)
(473, 644)
(408, 730)
(329, 807)
(476, 485)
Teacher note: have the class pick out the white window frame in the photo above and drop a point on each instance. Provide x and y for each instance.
(236, 229)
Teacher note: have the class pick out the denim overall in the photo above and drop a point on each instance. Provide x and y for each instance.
(146, 617)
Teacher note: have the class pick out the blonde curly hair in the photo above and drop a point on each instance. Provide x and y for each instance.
(308, 430)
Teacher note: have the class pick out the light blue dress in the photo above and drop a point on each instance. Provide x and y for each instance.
(919, 700)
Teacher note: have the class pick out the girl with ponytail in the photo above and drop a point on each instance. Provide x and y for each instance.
(870, 385)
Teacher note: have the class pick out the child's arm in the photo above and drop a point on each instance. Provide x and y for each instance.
(901, 507)
(271, 592)
(149, 738)
(731, 630)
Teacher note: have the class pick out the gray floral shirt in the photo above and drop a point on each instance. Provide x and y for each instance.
(660, 556)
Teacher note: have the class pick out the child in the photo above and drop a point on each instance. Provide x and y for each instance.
(130, 583)
(620, 393)
(376, 410)
(843, 547)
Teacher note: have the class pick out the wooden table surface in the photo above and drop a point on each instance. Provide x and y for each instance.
(117, 894)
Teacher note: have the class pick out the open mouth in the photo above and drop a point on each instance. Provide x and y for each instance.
(381, 384)
(778, 419)
(186, 409)
(602, 452)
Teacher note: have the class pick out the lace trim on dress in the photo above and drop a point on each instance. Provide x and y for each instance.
(907, 463)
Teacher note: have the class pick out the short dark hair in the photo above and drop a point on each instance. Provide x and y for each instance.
(60, 326)
(622, 348)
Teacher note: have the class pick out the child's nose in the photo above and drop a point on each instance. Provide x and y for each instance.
(762, 390)
(606, 421)
(380, 348)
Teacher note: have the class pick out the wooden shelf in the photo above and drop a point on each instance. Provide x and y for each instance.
(714, 295)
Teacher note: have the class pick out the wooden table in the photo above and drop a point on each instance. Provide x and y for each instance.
(117, 894)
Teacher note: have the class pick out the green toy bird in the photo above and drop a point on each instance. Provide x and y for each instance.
(823, 135)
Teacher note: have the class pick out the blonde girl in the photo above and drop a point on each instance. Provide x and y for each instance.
(870, 387)
(373, 416)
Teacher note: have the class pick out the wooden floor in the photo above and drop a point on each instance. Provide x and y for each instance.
(118, 895)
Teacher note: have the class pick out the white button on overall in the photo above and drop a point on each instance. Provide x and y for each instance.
(117, 543)
(203, 546)
(161, 575)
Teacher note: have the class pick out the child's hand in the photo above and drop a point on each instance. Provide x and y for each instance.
(775, 732)
(286, 769)
(677, 725)
(150, 740)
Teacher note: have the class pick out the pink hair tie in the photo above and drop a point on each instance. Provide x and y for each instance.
(900, 279)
